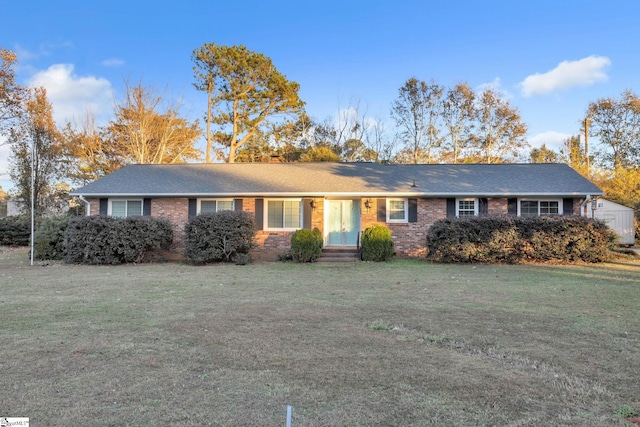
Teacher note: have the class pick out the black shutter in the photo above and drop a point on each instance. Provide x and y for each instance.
(259, 214)
(512, 207)
(104, 206)
(306, 213)
(413, 210)
(193, 207)
(567, 206)
(483, 207)
(451, 207)
(146, 207)
(237, 205)
(382, 210)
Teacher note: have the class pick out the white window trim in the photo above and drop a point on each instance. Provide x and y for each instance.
(265, 214)
(233, 204)
(406, 211)
(476, 205)
(126, 200)
(533, 199)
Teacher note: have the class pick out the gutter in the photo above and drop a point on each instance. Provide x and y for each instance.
(87, 204)
(355, 194)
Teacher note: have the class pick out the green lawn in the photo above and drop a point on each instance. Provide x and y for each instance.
(394, 344)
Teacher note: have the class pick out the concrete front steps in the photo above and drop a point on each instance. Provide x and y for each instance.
(339, 254)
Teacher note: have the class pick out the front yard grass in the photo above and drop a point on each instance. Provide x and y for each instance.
(388, 344)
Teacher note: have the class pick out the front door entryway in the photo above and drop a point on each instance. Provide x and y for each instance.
(342, 222)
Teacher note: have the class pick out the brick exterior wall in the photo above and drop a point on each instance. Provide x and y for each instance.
(317, 216)
(497, 206)
(576, 206)
(409, 238)
(177, 212)
(94, 206)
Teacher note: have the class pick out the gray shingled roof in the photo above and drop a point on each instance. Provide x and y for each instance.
(340, 179)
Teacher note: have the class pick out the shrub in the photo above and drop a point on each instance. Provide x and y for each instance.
(472, 239)
(111, 240)
(376, 244)
(241, 259)
(218, 236)
(49, 238)
(513, 240)
(285, 257)
(563, 239)
(15, 231)
(306, 245)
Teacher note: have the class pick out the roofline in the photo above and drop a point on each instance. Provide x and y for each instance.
(339, 194)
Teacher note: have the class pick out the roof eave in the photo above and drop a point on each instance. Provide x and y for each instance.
(345, 194)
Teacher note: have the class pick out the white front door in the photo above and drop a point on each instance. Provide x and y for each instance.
(343, 222)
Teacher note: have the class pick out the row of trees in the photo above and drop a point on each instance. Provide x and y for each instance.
(254, 113)
(44, 158)
(440, 125)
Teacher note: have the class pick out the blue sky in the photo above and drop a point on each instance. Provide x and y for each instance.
(549, 58)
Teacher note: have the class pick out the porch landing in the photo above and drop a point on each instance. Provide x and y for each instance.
(339, 254)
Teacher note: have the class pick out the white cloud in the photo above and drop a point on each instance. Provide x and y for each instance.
(496, 86)
(42, 50)
(584, 72)
(113, 62)
(551, 139)
(72, 95)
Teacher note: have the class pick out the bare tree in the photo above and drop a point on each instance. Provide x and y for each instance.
(142, 134)
(352, 123)
(87, 154)
(36, 152)
(378, 141)
(416, 112)
(616, 123)
(500, 134)
(458, 113)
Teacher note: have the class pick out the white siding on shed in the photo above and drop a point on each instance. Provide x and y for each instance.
(15, 207)
(619, 218)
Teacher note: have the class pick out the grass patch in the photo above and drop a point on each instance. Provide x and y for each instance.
(380, 325)
(398, 343)
(626, 411)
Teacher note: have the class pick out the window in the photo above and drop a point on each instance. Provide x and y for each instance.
(466, 207)
(397, 210)
(540, 207)
(283, 214)
(549, 208)
(214, 205)
(124, 208)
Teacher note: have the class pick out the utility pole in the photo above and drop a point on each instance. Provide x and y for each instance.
(586, 143)
(34, 151)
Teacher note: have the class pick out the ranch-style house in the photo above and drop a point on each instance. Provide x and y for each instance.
(340, 199)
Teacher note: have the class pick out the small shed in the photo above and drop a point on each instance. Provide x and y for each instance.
(15, 207)
(618, 217)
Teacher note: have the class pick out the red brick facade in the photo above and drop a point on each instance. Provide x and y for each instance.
(409, 238)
